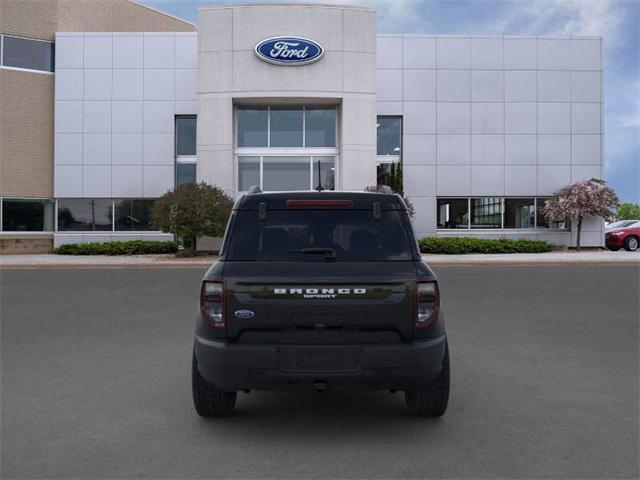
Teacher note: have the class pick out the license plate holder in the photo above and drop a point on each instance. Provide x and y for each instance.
(320, 358)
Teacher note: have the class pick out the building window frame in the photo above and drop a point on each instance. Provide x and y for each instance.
(536, 227)
(113, 230)
(264, 152)
(389, 159)
(23, 69)
(51, 201)
(181, 159)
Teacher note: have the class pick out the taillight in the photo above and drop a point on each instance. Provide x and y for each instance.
(427, 303)
(212, 303)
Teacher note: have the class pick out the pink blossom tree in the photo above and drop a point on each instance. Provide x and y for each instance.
(586, 198)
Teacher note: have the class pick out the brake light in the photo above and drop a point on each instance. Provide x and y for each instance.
(427, 303)
(319, 203)
(212, 296)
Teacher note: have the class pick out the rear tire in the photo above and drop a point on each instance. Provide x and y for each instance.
(208, 400)
(432, 400)
(631, 244)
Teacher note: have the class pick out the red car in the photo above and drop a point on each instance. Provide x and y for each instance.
(627, 237)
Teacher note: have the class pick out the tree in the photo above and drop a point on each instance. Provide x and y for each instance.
(628, 211)
(410, 209)
(586, 198)
(193, 210)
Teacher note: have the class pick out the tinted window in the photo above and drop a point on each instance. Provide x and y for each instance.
(286, 126)
(453, 213)
(26, 53)
(519, 213)
(133, 215)
(84, 215)
(252, 126)
(248, 172)
(326, 167)
(542, 221)
(352, 235)
(486, 212)
(27, 215)
(285, 173)
(186, 135)
(185, 173)
(320, 127)
(389, 132)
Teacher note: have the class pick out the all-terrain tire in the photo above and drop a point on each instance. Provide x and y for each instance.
(631, 243)
(209, 400)
(432, 400)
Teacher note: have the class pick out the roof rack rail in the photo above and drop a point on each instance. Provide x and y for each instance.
(385, 189)
(254, 189)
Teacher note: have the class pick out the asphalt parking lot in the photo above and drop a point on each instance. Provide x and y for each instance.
(96, 384)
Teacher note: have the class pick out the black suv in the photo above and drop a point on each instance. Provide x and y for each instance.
(315, 291)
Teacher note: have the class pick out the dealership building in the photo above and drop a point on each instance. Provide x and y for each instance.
(107, 105)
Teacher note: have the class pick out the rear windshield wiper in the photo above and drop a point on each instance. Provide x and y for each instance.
(329, 252)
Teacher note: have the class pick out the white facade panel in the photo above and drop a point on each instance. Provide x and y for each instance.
(453, 117)
(128, 84)
(98, 52)
(453, 52)
(96, 149)
(69, 84)
(520, 53)
(127, 51)
(97, 85)
(419, 52)
(487, 53)
(106, 135)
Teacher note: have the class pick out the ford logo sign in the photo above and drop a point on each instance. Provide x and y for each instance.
(289, 51)
(244, 314)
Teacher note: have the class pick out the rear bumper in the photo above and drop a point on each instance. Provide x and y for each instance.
(232, 367)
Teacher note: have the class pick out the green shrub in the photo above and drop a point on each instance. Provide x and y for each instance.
(132, 247)
(462, 245)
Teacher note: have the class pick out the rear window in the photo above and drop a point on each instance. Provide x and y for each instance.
(320, 235)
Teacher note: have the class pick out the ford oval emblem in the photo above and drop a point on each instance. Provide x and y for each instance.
(244, 314)
(289, 51)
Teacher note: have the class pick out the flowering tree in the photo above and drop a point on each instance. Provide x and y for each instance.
(193, 210)
(586, 198)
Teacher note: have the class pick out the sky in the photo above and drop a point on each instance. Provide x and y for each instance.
(617, 21)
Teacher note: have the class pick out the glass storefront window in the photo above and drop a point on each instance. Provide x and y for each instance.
(253, 125)
(26, 53)
(286, 124)
(541, 220)
(133, 215)
(389, 133)
(285, 173)
(186, 135)
(248, 172)
(84, 215)
(326, 167)
(320, 127)
(453, 213)
(519, 213)
(185, 173)
(486, 212)
(27, 215)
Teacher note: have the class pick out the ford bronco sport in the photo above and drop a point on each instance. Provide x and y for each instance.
(315, 291)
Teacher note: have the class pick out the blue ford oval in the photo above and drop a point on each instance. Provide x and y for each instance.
(244, 314)
(289, 51)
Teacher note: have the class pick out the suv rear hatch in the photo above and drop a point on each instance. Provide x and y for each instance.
(330, 272)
